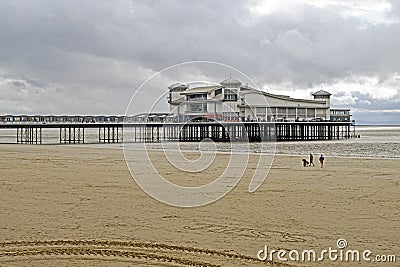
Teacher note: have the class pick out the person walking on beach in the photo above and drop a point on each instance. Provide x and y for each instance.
(311, 160)
(321, 160)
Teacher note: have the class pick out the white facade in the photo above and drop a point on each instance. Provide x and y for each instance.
(232, 101)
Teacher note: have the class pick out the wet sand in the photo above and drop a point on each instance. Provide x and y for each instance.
(79, 206)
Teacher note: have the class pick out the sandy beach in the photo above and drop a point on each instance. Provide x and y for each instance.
(79, 206)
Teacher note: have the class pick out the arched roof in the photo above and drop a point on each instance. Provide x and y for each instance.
(178, 86)
(231, 81)
(321, 93)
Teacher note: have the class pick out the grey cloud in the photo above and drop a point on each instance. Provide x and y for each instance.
(90, 56)
(18, 84)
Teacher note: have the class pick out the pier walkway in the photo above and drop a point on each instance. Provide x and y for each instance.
(74, 133)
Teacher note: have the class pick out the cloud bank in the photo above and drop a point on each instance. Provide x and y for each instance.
(89, 57)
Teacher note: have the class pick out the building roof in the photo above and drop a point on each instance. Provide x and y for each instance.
(201, 90)
(283, 97)
(231, 81)
(178, 86)
(246, 87)
(248, 90)
(321, 93)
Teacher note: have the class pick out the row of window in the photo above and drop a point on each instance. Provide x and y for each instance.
(198, 107)
(197, 97)
(202, 107)
(340, 112)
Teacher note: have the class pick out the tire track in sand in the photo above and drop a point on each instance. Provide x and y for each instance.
(142, 251)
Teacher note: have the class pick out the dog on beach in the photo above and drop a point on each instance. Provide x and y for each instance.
(305, 163)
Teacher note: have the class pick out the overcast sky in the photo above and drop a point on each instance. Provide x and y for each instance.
(90, 56)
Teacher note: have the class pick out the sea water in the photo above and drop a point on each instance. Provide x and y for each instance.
(374, 142)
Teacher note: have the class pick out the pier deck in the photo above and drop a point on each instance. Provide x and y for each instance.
(74, 133)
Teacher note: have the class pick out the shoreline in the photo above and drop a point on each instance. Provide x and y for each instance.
(120, 147)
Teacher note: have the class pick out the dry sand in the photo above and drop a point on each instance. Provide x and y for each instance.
(79, 206)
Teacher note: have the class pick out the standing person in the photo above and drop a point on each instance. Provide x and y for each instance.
(321, 160)
(311, 160)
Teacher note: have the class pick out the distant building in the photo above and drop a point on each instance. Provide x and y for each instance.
(340, 115)
(232, 101)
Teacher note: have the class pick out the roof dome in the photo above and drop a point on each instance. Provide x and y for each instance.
(231, 81)
(321, 93)
(178, 87)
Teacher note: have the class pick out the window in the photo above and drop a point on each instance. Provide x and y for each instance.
(311, 113)
(197, 97)
(261, 110)
(230, 95)
(339, 112)
(301, 112)
(230, 116)
(320, 113)
(291, 111)
(201, 107)
(282, 111)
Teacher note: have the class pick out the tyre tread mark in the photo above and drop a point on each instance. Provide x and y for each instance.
(104, 248)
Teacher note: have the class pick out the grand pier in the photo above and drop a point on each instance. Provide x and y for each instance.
(228, 111)
(30, 132)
